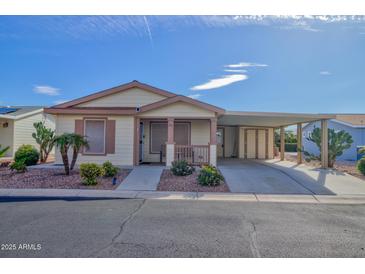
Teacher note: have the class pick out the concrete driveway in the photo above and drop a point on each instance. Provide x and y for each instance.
(247, 176)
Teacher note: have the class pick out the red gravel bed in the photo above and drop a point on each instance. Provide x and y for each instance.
(53, 178)
(170, 182)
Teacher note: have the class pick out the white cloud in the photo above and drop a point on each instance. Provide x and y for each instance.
(57, 102)
(236, 70)
(221, 82)
(325, 72)
(245, 65)
(195, 96)
(46, 90)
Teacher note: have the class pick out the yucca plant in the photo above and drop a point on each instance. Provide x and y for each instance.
(3, 151)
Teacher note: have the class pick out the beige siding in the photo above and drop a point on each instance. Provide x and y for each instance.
(23, 129)
(200, 132)
(134, 97)
(179, 109)
(6, 136)
(200, 135)
(251, 143)
(123, 140)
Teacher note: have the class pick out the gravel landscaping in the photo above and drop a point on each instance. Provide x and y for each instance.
(189, 183)
(53, 178)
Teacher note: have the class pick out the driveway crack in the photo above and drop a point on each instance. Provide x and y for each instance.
(124, 222)
(253, 241)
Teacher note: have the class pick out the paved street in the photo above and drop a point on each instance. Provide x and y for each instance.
(167, 228)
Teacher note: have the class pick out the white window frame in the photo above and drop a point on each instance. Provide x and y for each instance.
(104, 143)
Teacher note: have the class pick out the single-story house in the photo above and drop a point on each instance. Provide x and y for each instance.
(354, 124)
(16, 126)
(136, 123)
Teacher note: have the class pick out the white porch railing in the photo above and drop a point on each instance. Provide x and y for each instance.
(193, 154)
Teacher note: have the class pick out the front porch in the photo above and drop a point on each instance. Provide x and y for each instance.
(164, 140)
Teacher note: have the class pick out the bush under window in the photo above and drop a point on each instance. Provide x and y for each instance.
(210, 176)
(28, 154)
(90, 172)
(109, 169)
(181, 168)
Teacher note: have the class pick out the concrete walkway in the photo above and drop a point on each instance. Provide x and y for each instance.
(23, 194)
(142, 178)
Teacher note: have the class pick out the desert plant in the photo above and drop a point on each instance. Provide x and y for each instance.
(181, 168)
(210, 176)
(109, 169)
(19, 166)
(63, 142)
(3, 151)
(361, 165)
(77, 142)
(90, 172)
(28, 154)
(338, 142)
(45, 138)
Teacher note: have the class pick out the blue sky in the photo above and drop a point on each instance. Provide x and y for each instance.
(248, 63)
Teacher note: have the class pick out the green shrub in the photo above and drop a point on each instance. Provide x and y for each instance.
(291, 147)
(28, 154)
(109, 169)
(18, 166)
(209, 176)
(90, 172)
(361, 165)
(181, 168)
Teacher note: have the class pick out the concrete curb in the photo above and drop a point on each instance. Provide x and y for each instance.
(165, 195)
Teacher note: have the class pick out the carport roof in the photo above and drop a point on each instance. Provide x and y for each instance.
(268, 119)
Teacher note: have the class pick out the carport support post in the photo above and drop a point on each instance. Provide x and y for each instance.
(299, 143)
(324, 143)
(282, 143)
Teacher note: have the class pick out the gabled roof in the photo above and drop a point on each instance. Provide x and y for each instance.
(117, 89)
(181, 98)
(72, 107)
(21, 111)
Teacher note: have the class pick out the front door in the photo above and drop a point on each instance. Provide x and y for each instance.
(220, 142)
(141, 134)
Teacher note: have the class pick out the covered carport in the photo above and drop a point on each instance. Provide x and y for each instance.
(256, 128)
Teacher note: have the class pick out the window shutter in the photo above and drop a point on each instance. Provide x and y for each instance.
(110, 136)
(79, 127)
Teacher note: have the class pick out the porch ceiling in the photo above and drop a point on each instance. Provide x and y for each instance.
(268, 119)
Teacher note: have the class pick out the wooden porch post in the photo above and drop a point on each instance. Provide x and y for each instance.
(282, 143)
(213, 142)
(324, 144)
(170, 130)
(170, 145)
(299, 143)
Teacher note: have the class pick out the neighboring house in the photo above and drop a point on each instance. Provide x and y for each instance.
(354, 124)
(136, 123)
(16, 126)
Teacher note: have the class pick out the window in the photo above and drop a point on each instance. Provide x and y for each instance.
(95, 134)
(159, 135)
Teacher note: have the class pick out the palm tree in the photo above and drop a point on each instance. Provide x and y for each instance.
(63, 142)
(3, 151)
(77, 142)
